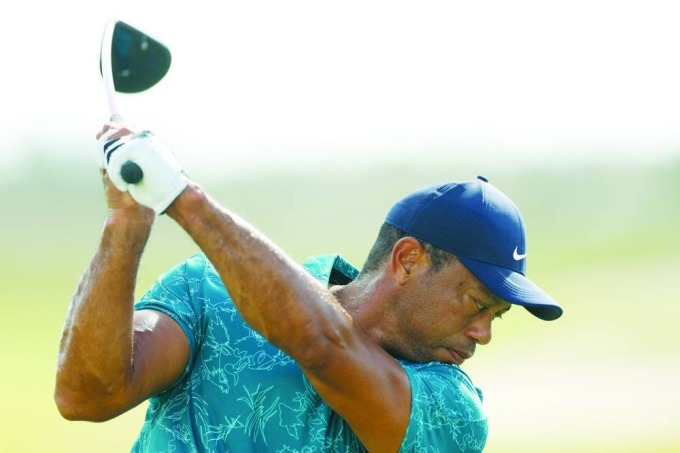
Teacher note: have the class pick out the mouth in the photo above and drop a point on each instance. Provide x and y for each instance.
(459, 356)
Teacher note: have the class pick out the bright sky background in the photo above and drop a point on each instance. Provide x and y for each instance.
(298, 82)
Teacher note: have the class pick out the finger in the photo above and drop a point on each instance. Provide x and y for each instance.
(106, 135)
(114, 126)
(110, 129)
(102, 132)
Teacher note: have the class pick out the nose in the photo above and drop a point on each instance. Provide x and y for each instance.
(480, 330)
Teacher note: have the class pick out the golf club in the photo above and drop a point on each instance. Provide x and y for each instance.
(130, 62)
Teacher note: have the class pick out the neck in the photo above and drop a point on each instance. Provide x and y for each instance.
(366, 301)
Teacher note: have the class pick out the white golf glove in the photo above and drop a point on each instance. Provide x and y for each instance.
(163, 179)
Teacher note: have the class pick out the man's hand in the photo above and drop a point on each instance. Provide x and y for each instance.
(163, 177)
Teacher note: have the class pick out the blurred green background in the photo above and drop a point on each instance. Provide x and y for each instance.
(602, 240)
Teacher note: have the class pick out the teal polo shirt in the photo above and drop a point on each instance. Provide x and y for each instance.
(239, 393)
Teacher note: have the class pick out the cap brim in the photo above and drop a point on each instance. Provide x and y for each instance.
(514, 288)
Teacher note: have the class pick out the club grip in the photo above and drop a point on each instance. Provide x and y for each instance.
(131, 172)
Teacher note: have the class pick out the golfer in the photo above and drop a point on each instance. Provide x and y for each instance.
(240, 349)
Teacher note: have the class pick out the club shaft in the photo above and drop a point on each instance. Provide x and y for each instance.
(107, 68)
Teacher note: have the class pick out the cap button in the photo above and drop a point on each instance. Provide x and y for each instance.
(482, 178)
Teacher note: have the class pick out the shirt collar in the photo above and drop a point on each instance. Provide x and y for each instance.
(331, 269)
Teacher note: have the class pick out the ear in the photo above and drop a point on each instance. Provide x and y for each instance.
(407, 255)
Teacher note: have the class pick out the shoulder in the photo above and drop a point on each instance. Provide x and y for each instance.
(193, 270)
(186, 288)
(437, 377)
(446, 408)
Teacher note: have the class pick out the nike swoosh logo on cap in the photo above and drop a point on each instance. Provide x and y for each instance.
(516, 256)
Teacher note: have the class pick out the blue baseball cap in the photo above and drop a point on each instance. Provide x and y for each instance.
(484, 229)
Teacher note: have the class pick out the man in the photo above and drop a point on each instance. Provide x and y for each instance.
(240, 349)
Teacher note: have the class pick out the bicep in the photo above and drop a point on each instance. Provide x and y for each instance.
(161, 353)
(368, 388)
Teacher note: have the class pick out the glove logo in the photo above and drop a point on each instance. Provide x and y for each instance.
(108, 151)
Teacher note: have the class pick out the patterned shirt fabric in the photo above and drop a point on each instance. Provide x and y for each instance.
(239, 393)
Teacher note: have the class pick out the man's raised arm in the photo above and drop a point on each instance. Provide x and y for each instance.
(278, 298)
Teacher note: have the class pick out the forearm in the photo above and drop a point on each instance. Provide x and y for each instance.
(273, 293)
(96, 349)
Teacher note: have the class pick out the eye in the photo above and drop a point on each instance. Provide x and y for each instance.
(480, 306)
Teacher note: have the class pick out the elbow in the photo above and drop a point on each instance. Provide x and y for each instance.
(82, 395)
(74, 410)
(75, 405)
(68, 409)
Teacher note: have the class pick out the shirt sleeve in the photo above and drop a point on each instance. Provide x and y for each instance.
(176, 293)
(446, 411)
